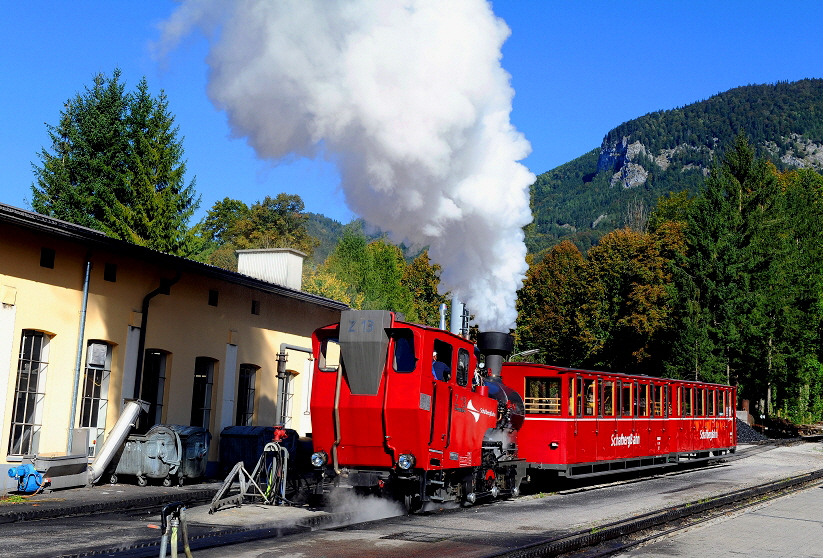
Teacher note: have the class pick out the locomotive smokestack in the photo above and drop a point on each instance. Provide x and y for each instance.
(495, 346)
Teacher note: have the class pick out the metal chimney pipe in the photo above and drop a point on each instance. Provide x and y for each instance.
(456, 316)
(443, 316)
(495, 346)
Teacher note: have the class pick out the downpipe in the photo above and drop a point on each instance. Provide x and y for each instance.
(79, 360)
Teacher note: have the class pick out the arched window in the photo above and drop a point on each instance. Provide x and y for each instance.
(30, 391)
(95, 403)
(201, 394)
(153, 387)
(245, 394)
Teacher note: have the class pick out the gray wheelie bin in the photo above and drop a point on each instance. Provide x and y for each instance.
(194, 453)
(153, 455)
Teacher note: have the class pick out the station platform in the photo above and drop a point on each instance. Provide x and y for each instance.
(790, 526)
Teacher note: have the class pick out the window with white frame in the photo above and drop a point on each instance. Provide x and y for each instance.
(96, 389)
(30, 390)
(287, 393)
(245, 394)
(202, 391)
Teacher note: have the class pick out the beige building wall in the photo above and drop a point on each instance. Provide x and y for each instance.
(183, 324)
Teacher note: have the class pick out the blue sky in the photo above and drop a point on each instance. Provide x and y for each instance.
(578, 69)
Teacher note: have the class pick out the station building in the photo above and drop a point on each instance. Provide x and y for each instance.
(88, 322)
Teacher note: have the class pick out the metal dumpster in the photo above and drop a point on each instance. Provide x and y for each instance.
(155, 455)
(246, 443)
(243, 443)
(194, 444)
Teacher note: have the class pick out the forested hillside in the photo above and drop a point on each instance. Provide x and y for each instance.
(671, 151)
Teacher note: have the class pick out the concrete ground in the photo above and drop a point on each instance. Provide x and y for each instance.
(791, 527)
(480, 531)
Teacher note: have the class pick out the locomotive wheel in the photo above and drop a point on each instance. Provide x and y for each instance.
(142, 480)
(412, 503)
(167, 481)
(113, 479)
(179, 480)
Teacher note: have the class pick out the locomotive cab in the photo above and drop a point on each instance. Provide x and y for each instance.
(396, 410)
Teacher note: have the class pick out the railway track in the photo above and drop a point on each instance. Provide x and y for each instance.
(612, 538)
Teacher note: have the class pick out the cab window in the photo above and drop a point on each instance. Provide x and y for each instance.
(404, 358)
(462, 367)
(329, 360)
(442, 361)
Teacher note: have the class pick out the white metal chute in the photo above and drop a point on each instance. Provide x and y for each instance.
(122, 428)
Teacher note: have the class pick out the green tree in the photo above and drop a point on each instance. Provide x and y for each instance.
(116, 165)
(422, 279)
(231, 225)
(373, 272)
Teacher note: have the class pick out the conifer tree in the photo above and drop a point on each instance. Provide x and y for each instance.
(116, 165)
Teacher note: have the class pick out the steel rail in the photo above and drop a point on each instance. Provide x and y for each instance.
(571, 542)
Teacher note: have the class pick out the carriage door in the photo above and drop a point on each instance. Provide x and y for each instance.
(442, 393)
(624, 439)
(586, 417)
(658, 441)
(642, 420)
(607, 419)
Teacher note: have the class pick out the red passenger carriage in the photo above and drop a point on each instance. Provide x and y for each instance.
(583, 423)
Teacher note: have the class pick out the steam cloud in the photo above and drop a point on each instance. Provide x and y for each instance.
(408, 97)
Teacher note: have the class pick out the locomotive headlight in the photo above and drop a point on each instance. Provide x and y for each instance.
(319, 458)
(405, 461)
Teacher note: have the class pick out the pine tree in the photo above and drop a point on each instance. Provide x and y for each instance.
(116, 165)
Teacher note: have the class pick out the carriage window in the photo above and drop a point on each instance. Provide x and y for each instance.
(711, 403)
(571, 397)
(657, 395)
(462, 367)
(700, 402)
(643, 400)
(579, 397)
(543, 396)
(608, 398)
(721, 404)
(404, 359)
(329, 359)
(588, 390)
(626, 400)
(669, 393)
(686, 404)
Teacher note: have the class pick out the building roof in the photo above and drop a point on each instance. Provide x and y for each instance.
(94, 238)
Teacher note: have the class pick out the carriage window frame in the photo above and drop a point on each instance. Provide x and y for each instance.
(643, 401)
(686, 403)
(613, 400)
(589, 397)
(626, 403)
(539, 398)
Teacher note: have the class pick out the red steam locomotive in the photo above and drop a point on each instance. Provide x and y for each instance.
(408, 411)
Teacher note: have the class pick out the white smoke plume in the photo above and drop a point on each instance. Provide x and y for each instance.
(409, 98)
